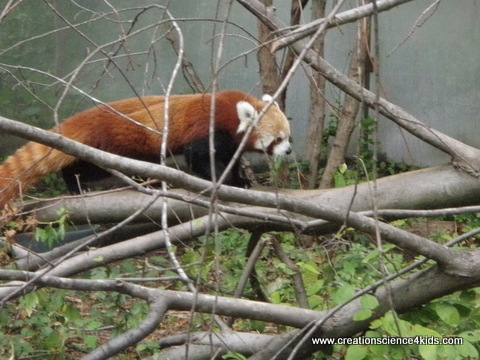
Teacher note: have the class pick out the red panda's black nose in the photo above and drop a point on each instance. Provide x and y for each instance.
(288, 151)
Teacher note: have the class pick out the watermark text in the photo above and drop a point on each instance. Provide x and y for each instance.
(389, 340)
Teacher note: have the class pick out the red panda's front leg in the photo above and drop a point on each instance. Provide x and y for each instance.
(197, 156)
(80, 173)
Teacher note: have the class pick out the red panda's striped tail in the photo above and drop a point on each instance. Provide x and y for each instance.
(27, 167)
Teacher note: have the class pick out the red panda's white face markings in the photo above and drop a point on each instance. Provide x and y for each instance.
(272, 133)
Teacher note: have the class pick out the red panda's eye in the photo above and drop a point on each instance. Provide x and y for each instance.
(278, 139)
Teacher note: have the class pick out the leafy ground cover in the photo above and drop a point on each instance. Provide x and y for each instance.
(58, 324)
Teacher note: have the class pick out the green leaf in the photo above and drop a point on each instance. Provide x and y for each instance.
(60, 235)
(471, 335)
(72, 313)
(315, 302)
(94, 324)
(369, 302)
(315, 287)
(423, 331)
(363, 314)
(356, 352)
(50, 236)
(91, 341)
(26, 332)
(308, 267)
(233, 356)
(339, 180)
(447, 352)
(276, 298)
(377, 323)
(372, 255)
(40, 234)
(29, 302)
(54, 341)
(447, 313)
(349, 268)
(343, 294)
(428, 352)
(467, 350)
(284, 268)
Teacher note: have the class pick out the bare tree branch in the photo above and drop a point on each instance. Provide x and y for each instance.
(464, 156)
(340, 19)
(189, 70)
(12, 4)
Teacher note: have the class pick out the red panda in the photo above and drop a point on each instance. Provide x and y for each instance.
(189, 120)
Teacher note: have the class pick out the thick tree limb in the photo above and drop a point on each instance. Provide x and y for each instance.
(243, 343)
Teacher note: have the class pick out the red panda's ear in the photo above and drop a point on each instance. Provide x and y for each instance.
(246, 114)
(267, 98)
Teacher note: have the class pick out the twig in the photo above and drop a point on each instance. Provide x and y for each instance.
(300, 292)
(424, 16)
(249, 269)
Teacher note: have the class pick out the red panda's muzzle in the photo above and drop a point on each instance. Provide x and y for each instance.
(279, 148)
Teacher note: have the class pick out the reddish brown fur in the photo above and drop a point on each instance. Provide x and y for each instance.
(100, 127)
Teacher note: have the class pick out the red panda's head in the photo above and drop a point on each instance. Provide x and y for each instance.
(271, 133)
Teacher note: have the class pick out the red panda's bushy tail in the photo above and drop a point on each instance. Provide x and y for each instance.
(28, 166)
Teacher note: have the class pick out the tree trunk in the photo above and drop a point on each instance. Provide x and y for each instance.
(317, 103)
(267, 61)
(346, 123)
